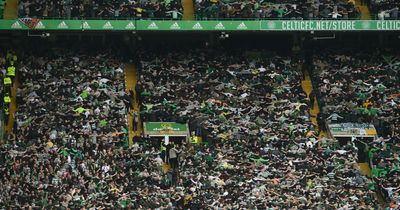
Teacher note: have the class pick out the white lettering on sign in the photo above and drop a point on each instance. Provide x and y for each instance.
(388, 25)
(318, 25)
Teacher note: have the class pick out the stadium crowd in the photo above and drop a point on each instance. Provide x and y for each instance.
(385, 9)
(100, 9)
(70, 125)
(205, 9)
(360, 88)
(69, 145)
(363, 87)
(284, 9)
(255, 120)
(385, 158)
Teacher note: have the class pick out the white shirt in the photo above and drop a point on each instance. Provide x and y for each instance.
(87, 113)
(105, 168)
(104, 80)
(119, 70)
(309, 144)
(135, 147)
(97, 111)
(335, 15)
(262, 69)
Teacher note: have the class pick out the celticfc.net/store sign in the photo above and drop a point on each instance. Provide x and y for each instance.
(170, 25)
(318, 25)
(331, 25)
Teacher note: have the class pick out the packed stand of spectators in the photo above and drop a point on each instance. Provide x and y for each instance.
(253, 115)
(360, 87)
(277, 9)
(66, 149)
(385, 9)
(385, 160)
(364, 88)
(101, 9)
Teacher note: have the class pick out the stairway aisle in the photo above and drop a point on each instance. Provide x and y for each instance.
(13, 107)
(365, 169)
(188, 9)
(306, 84)
(11, 9)
(131, 79)
(365, 14)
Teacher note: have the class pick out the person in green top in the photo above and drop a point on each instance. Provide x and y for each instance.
(80, 110)
(84, 94)
(145, 93)
(259, 160)
(362, 96)
(103, 123)
(206, 108)
(381, 88)
(280, 11)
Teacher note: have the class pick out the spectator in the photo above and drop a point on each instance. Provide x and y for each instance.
(253, 111)
(385, 9)
(363, 87)
(100, 9)
(70, 131)
(286, 9)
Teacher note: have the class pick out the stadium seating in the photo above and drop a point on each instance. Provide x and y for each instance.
(205, 9)
(283, 9)
(2, 6)
(384, 154)
(363, 87)
(67, 150)
(385, 9)
(255, 137)
(256, 118)
(72, 110)
(168, 9)
(359, 90)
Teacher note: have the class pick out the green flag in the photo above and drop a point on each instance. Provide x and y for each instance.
(103, 123)
(84, 94)
(80, 110)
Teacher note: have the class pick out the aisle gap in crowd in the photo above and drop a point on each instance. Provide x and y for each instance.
(11, 9)
(13, 105)
(135, 125)
(188, 9)
(312, 98)
(364, 10)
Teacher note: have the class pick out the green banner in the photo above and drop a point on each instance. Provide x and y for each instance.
(119, 25)
(70, 25)
(165, 128)
(256, 25)
(198, 25)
